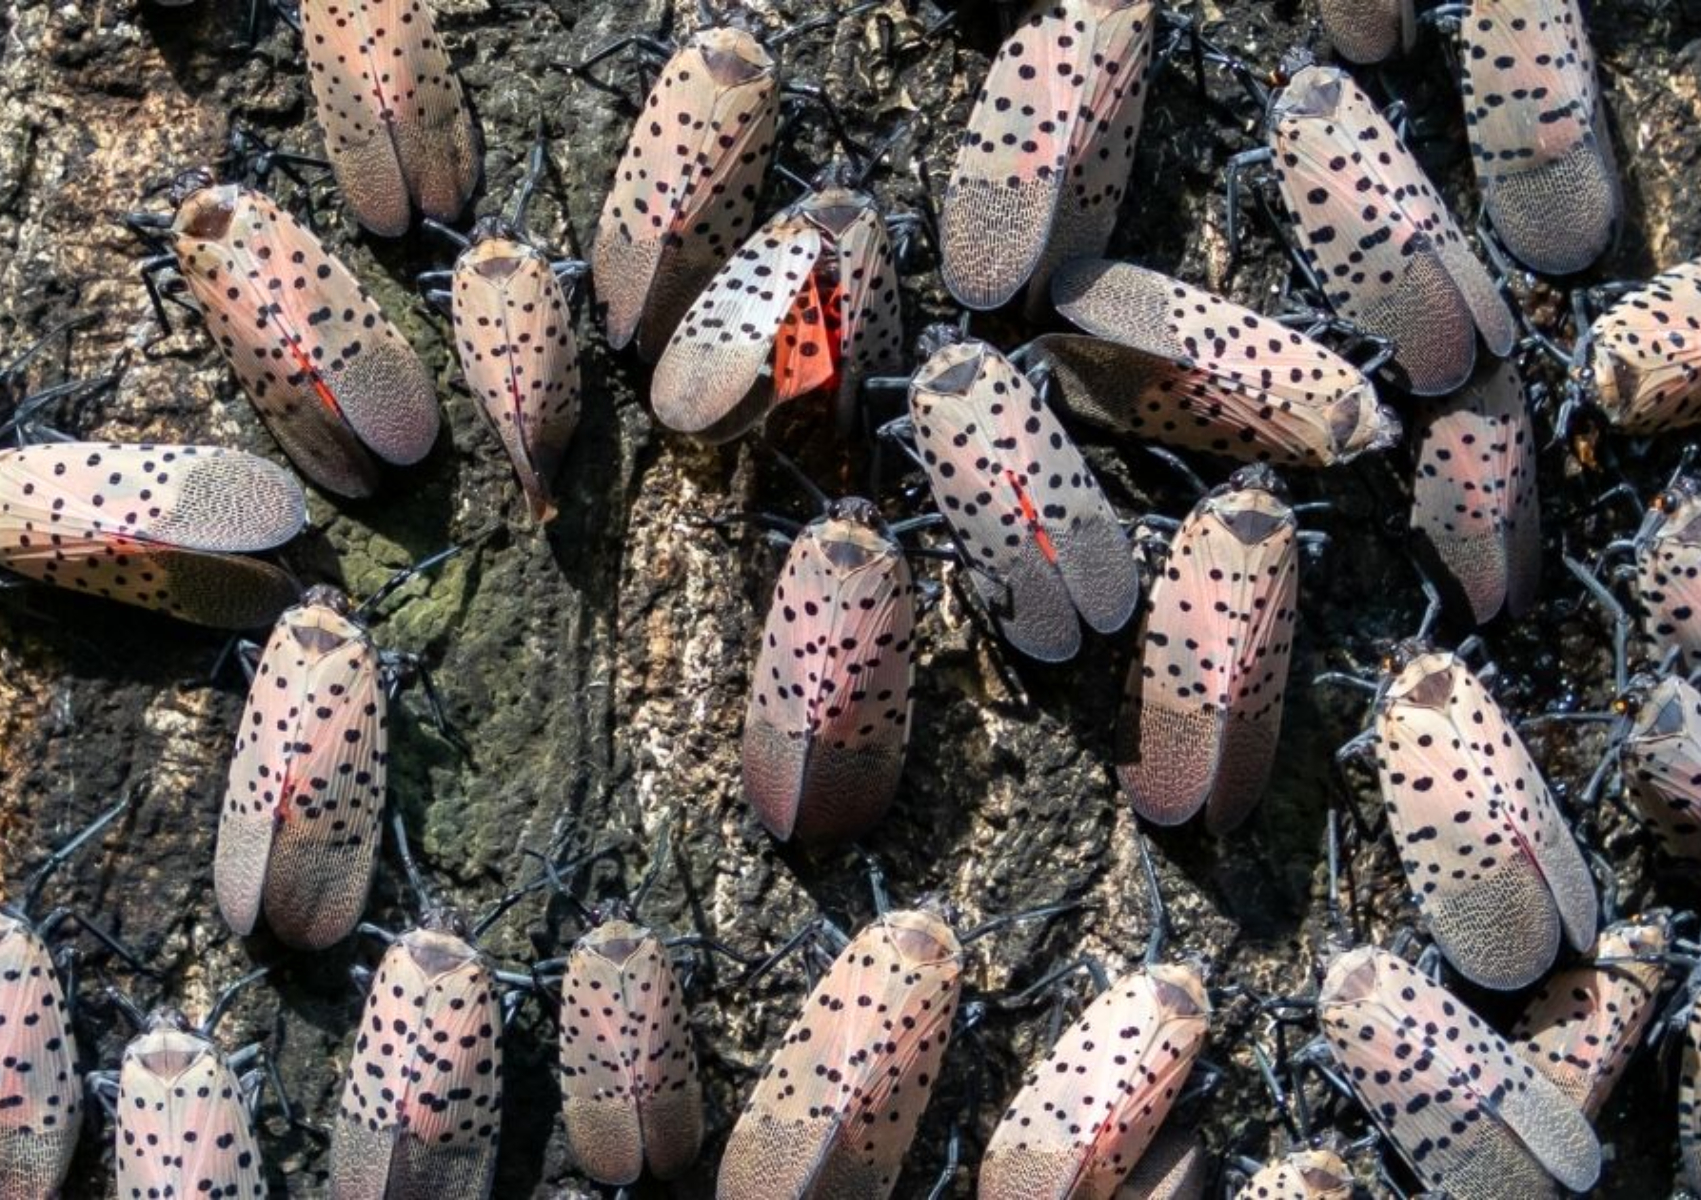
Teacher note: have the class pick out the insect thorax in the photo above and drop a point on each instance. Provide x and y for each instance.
(205, 212)
(732, 56)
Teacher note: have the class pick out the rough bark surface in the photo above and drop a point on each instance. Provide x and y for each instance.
(598, 671)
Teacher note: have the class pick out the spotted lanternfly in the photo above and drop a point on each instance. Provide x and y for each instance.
(809, 303)
(1378, 237)
(1368, 31)
(1474, 494)
(1582, 1026)
(837, 1105)
(1471, 1117)
(397, 129)
(41, 1091)
(1689, 1099)
(1039, 538)
(1181, 366)
(1085, 1115)
(298, 833)
(184, 1128)
(1485, 850)
(1303, 1174)
(1644, 355)
(1538, 132)
(685, 194)
(514, 331)
(1668, 573)
(332, 379)
(1203, 705)
(1659, 758)
(1043, 164)
(163, 527)
(630, 1095)
(828, 719)
(1175, 1166)
(422, 1101)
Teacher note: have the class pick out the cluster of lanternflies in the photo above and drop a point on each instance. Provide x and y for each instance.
(739, 318)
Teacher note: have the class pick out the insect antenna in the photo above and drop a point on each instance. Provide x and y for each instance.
(30, 892)
(808, 485)
(222, 1005)
(1154, 899)
(423, 894)
(401, 577)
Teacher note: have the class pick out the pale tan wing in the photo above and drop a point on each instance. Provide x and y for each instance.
(514, 331)
(1013, 159)
(1538, 134)
(1469, 1115)
(1645, 354)
(837, 1106)
(1495, 870)
(1086, 1114)
(684, 194)
(717, 355)
(397, 129)
(1101, 146)
(1207, 374)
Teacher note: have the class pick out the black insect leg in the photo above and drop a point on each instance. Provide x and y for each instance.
(948, 1172)
(1235, 169)
(222, 1004)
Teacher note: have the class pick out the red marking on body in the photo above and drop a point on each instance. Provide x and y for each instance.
(806, 349)
(1031, 515)
(513, 376)
(286, 793)
(1524, 844)
(320, 388)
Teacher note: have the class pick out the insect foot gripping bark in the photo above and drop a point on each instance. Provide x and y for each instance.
(1202, 708)
(158, 526)
(1041, 543)
(334, 381)
(685, 193)
(828, 719)
(397, 129)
